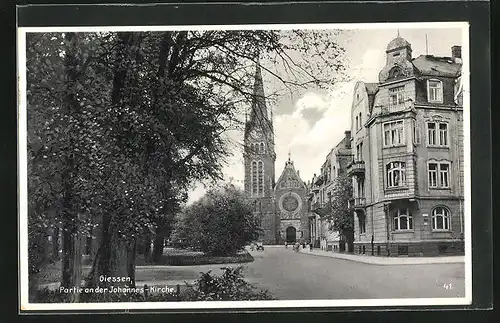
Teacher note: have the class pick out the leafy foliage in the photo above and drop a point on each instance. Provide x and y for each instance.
(230, 286)
(220, 223)
(120, 125)
(341, 214)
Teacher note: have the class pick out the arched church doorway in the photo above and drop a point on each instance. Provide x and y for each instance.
(291, 234)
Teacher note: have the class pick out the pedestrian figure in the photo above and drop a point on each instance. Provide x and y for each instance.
(310, 247)
(252, 247)
(286, 245)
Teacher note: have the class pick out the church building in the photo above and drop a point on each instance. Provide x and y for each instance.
(281, 205)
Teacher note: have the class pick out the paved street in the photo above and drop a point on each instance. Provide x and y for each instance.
(291, 275)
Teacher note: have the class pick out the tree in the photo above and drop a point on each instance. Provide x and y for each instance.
(342, 216)
(137, 118)
(220, 223)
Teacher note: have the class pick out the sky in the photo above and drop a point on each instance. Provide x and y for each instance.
(309, 126)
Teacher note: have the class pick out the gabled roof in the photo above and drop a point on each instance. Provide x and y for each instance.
(290, 169)
(437, 66)
(371, 88)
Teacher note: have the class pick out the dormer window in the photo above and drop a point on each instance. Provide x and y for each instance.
(395, 72)
(396, 96)
(435, 91)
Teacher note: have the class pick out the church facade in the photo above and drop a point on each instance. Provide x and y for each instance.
(280, 205)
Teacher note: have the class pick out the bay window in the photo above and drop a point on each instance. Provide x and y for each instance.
(393, 133)
(396, 174)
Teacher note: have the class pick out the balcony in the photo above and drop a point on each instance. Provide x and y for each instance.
(357, 203)
(356, 168)
(319, 181)
(400, 107)
(321, 209)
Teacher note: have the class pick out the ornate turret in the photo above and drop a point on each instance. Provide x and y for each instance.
(398, 60)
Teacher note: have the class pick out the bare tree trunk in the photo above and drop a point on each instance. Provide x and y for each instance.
(55, 243)
(71, 257)
(159, 244)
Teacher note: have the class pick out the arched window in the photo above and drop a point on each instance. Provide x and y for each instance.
(395, 72)
(440, 218)
(262, 149)
(254, 178)
(396, 174)
(261, 177)
(402, 220)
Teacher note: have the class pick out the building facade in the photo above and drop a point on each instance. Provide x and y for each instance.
(281, 206)
(320, 194)
(407, 168)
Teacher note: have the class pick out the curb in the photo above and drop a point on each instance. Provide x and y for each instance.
(381, 262)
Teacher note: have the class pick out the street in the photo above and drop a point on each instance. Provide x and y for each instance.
(291, 275)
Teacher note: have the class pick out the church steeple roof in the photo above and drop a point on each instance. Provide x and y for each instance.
(259, 109)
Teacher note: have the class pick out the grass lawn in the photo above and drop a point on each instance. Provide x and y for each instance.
(180, 257)
(170, 257)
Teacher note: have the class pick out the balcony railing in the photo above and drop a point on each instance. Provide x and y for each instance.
(356, 168)
(357, 202)
(392, 108)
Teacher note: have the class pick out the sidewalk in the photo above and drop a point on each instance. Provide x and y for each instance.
(367, 259)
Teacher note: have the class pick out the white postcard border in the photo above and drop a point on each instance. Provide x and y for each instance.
(23, 192)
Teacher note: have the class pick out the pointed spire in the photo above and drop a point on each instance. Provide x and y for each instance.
(258, 102)
(289, 155)
(398, 33)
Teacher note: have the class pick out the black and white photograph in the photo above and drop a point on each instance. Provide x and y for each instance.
(244, 166)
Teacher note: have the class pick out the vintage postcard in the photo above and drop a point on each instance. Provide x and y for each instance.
(244, 167)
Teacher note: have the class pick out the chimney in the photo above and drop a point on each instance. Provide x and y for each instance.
(348, 139)
(456, 52)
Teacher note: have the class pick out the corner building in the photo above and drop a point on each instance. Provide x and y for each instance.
(407, 167)
(281, 206)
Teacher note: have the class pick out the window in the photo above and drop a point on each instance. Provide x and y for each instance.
(357, 123)
(396, 174)
(396, 95)
(435, 91)
(433, 174)
(395, 71)
(443, 134)
(254, 178)
(362, 224)
(360, 122)
(440, 218)
(444, 175)
(431, 133)
(416, 134)
(262, 148)
(359, 151)
(439, 175)
(437, 134)
(261, 177)
(393, 133)
(402, 220)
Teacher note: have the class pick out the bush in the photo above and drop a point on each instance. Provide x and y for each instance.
(220, 223)
(229, 286)
(194, 260)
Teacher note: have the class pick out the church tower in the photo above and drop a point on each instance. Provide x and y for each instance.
(259, 158)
